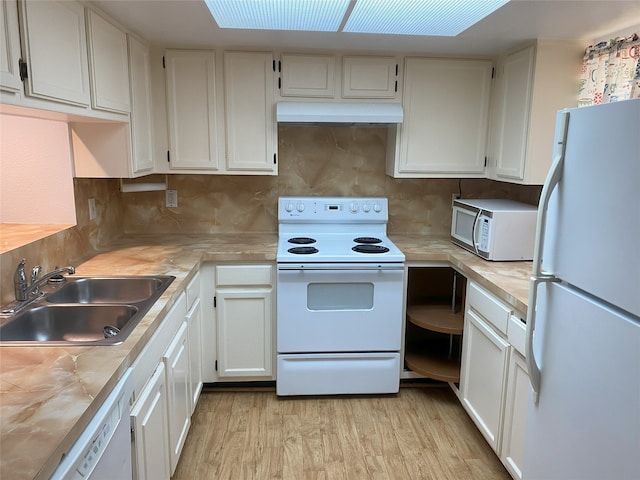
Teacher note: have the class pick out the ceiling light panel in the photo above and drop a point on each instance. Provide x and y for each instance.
(309, 15)
(418, 17)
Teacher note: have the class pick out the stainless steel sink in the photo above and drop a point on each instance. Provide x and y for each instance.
(68, 323)
(85, 311)
(108, 289)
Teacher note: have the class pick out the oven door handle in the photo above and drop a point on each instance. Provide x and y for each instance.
(341, 266)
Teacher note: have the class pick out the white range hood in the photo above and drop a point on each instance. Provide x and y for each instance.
(339, 113)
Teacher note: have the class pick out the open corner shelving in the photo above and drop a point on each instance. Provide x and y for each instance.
(435, 322)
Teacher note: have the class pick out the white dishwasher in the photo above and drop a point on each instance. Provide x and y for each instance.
(103, 450)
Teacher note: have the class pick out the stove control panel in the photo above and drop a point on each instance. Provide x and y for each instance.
(332, 209)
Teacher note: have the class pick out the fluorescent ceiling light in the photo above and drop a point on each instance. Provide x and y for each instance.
(418, 17)
(306, 15)
(394, 17)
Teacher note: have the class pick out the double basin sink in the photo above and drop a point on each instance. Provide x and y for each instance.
(85, 311)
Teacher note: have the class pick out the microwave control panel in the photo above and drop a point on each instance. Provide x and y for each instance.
(483, 244)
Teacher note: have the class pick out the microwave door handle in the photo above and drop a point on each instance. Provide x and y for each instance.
(473, 232)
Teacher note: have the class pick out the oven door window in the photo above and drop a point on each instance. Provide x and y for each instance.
(340, 296)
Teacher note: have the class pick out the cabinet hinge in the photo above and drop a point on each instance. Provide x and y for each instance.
(22, 68)
(168, 156)
(215, 303)
(164, 65)
(274, 158)
(216, 366)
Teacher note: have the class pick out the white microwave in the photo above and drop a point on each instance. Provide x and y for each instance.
(495, 229)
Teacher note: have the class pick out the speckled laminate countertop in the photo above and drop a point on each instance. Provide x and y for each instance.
(49, 394)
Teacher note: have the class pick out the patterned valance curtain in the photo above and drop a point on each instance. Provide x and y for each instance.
(610, 72)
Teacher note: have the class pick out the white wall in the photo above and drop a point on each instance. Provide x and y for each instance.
(36, 175)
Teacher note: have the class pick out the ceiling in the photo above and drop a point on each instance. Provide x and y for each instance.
(188, 24)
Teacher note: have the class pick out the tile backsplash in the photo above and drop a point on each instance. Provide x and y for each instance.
(322, 161)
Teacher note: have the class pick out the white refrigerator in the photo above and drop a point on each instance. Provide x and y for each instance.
(583, 325)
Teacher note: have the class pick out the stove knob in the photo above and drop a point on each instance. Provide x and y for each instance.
(377, 207)
(353, 207)
(288, 206)
(300, 207)
(366, 207)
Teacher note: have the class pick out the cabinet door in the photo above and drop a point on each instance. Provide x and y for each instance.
(141, 119)
(482, 376)
(150, 426)
(511, 113)
(308, 75)
(10, 53)
(55, 43)
(515, 415)
(109, 65)
(369, 77)
(176, 361)
(244, 332)
(249, 113)
(191, 110)
(194, 320)
(446, 107)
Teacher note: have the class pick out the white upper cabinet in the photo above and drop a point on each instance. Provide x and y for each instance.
(141, 115)
(10, 53)
(446, 111)
(308, 75)
(369, 77)
(194, 140)
(55, 46)
(532, 84)
(109, 65)
(250, 113)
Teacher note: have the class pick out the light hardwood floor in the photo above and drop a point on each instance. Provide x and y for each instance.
(420, 433)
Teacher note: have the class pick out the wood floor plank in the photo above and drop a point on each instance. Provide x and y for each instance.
(420, 433)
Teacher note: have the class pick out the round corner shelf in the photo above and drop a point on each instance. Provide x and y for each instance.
(431, 359)
(436, 317)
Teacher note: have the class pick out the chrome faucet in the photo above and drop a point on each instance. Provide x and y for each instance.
(23, 291)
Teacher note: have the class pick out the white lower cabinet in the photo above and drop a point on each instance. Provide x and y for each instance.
(150, 424)
(244, 313)
(176, 362)
(494, 384)
(515, 415)
(484, 363)
(167, 378)
(194, 322)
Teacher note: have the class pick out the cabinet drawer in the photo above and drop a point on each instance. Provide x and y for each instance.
(243, 275)
(516, 332)
(489, 307)
(193, 290)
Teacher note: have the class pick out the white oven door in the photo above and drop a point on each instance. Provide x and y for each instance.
(339, 308)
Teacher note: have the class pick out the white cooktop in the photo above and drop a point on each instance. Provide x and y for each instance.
(329, 228)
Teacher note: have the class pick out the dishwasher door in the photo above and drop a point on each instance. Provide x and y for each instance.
(103, 450)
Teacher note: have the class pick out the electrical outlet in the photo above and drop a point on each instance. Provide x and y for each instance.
(171, 198)
(92, 209)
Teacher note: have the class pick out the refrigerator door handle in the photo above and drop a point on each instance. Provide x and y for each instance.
(532, 365)
(555, 173)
